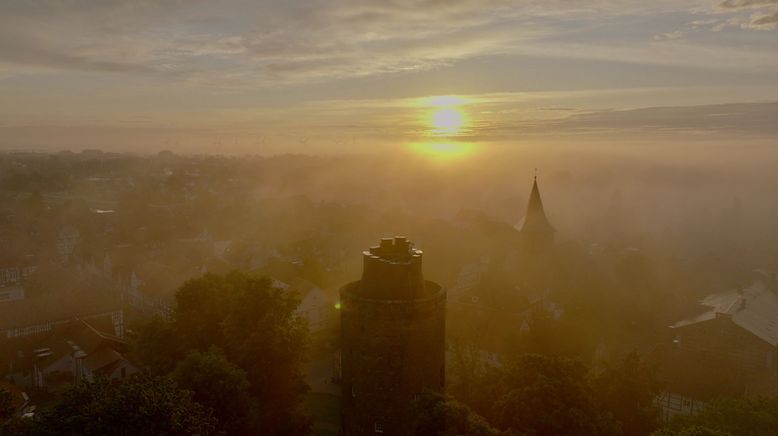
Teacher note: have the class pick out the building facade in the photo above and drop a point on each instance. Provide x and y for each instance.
(393, 340)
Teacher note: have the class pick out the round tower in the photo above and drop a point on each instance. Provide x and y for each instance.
(393, 340)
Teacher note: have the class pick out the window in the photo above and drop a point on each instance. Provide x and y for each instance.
(378, 427)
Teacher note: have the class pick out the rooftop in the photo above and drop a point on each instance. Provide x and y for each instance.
(754, 308)
(535, 220)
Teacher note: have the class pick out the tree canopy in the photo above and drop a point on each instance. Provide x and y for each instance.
(539, 395)
(628, 391)
(219, 386)
(6, 405)
(544, 395)
(753, 416)
(143, 405)
(440, 415)
(255, 327)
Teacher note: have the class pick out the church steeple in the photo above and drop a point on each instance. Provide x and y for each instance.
(535, 226)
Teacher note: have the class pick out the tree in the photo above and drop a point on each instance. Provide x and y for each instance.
(439, 415)
(628, 391)
(467, 369)
(256, 326)
(6, 405)
(158, 346)
(695, 430)
(218, 385)
(753, 416)
(543, 395)
(143, 405)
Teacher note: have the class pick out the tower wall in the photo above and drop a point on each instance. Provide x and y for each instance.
(393, 343)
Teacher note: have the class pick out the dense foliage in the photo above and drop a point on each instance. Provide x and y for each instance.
(263, 343)
(6, 405)
(628, 390)
(753, 416)
(144, 405)
(440, 415)
(551, 395)
(219, 386)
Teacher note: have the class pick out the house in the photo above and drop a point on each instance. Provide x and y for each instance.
(77, 350)
(31, 316)
(729, 349)
(67, 242)
(11, 293)
(470, 276)
(12, 279)
(672, 404)
(739, 326)
(10, 275)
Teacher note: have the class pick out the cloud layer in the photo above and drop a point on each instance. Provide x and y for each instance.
(240, 42)
(249, 68)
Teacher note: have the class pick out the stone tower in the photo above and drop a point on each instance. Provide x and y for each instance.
(393, 340)
(536, 231)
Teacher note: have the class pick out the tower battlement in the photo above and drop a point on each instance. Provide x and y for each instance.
(392, 271)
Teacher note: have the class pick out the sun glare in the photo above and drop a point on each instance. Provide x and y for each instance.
(445, 116)
(444, 150)
(446, 121)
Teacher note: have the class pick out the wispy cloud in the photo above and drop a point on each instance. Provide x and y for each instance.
(249, 43)
(737, 4)
(749, 15)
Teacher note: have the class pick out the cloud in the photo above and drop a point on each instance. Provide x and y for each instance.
(249, 43)
(737, 4)
(735, 120)
(765, 21)
(759, 20)
(756, 21)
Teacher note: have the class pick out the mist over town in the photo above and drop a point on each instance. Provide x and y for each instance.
(412, 217)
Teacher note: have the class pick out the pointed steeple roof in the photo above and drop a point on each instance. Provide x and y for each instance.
(535, 220)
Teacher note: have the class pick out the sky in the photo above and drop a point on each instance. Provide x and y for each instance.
(323, 76)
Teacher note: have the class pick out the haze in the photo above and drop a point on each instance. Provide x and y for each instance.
(402, 217)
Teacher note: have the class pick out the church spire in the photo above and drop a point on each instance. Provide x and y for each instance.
(535, 224)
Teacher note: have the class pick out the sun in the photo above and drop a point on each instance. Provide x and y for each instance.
(445, 115)
(447, 121)
(447, 125)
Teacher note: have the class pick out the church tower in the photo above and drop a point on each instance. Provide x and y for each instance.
(536, 231)
(393, 326)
